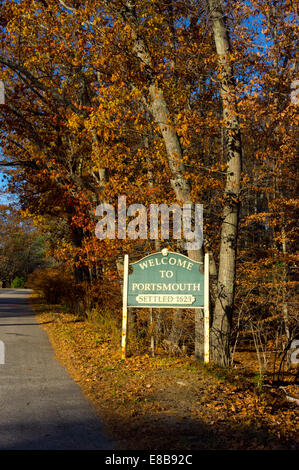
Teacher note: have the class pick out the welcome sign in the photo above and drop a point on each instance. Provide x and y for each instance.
(166, 280)
(169, 281)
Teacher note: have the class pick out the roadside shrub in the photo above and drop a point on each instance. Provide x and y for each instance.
(56, 285)
(18, 282)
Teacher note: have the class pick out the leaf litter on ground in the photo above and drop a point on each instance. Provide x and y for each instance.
(167, 402)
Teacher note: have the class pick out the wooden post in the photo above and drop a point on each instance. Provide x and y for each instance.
(124, 335)
(206, 311)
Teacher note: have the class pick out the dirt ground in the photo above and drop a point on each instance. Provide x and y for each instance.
(168, 402)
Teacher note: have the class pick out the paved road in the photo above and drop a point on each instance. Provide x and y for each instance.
(41, 407)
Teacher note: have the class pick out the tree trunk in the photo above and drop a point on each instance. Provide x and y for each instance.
(162, 117)
(222, 315)
(158, 107)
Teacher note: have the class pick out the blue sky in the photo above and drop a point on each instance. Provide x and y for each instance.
(4, 198)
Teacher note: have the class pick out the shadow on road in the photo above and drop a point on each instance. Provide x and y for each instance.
(163, 433)
(85, 435)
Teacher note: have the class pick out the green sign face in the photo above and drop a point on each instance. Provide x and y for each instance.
(167, 280)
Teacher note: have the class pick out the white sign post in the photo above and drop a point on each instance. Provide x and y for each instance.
(206, 311)
(125, 309)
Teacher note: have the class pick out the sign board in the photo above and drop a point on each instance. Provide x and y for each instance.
(166, 280)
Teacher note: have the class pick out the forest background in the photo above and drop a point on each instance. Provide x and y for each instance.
(163, 102)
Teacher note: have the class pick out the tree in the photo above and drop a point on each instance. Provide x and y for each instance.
(230, 216)
(144, 99)
(21, 246)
